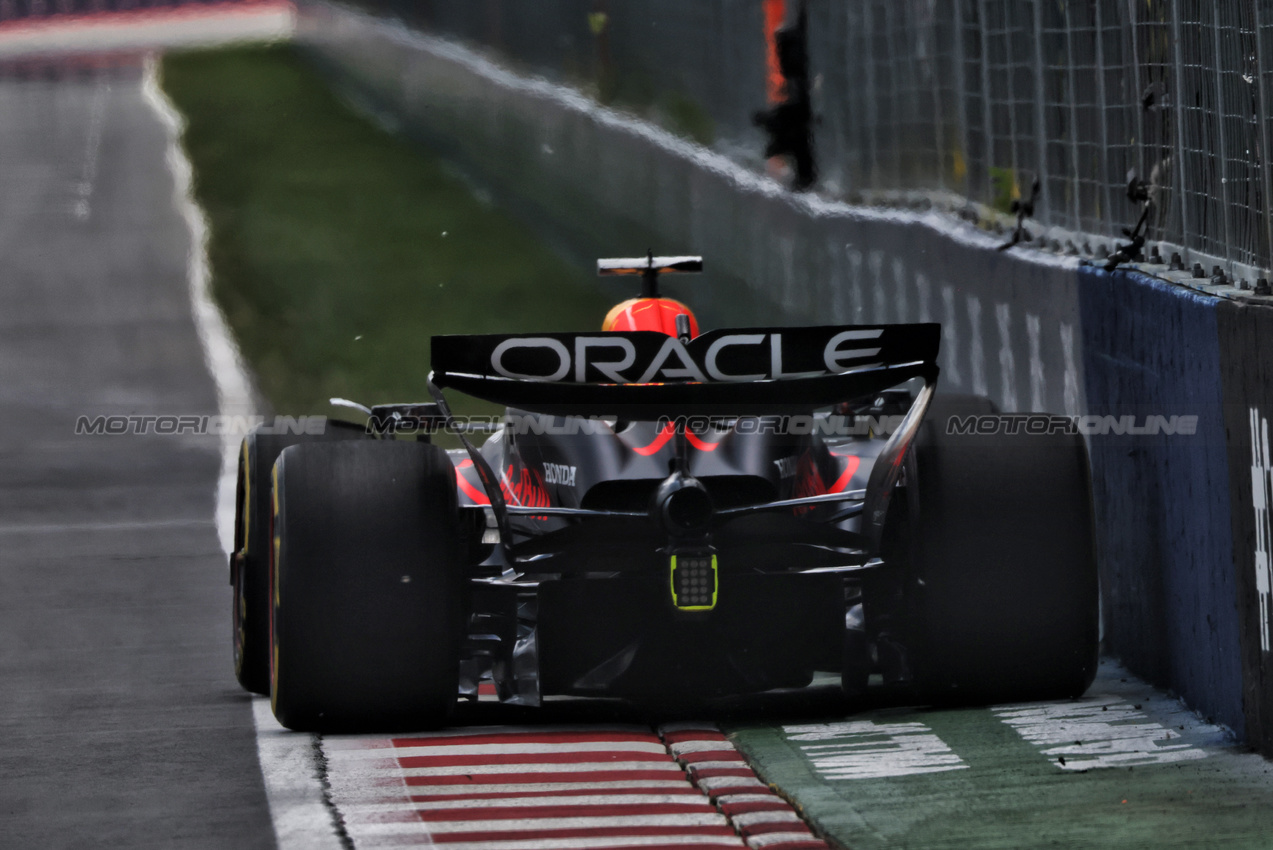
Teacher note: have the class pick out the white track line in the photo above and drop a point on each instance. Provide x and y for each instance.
(288, 764)
(92, 150)
(234, 393)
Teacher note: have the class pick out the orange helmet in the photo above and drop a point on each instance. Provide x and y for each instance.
(649, 314)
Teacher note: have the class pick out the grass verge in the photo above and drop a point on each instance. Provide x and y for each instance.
(338, 249)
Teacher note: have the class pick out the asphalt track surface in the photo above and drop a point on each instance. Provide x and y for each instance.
(120, 721)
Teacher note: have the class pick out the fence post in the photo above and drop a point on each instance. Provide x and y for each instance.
(872, 111)
(1178, 110)
(1137, 88)
(1008, 28)
(939, 131)
(1103, 105)
(896, 109)
(1266, 173)
(1076, 186)
(1043, 209)
(1224, 150)
(987, 123)
(962, 93)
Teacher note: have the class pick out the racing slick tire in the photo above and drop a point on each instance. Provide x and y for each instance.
(1002, 591)
(250, 561)
(365, 582)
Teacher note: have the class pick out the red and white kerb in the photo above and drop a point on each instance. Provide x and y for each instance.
(527, 788)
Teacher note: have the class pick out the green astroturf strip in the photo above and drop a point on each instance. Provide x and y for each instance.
(338, 249)
(1127, 767)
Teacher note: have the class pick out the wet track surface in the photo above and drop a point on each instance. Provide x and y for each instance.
(122, 722)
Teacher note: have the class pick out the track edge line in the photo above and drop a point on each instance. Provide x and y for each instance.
(291, 775)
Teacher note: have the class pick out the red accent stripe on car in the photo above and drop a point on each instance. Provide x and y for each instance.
(699, 443)
(851, 464)
(469, 490)
(659, 442)
(667, 433)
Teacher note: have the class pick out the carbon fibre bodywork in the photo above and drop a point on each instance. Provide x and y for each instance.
(582, 517)
(604, 619)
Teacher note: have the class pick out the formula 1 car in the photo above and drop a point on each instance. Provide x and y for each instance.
(664, 514)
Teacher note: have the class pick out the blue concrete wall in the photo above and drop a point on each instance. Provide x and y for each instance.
(1166, 546)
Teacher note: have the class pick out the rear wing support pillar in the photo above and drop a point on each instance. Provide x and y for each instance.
(888, 465)
(490, 481)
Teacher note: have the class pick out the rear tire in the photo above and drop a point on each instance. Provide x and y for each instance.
(250, 563)
(1002, 592)
(366, 586)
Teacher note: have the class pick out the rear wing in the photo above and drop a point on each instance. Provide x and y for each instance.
(747, 371)
(739, 372)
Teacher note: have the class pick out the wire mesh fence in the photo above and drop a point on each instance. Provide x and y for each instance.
(973, 99)
(977, 98)
(1080, 96)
